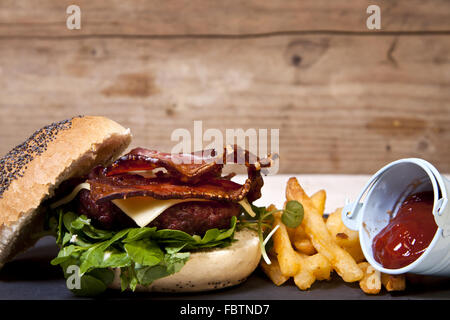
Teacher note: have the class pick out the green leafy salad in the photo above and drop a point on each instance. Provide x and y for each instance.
(144, 254)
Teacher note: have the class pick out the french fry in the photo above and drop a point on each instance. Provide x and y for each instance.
(319, 265)
(273, 271)
(315, 267)
(393, 282)
(371, 281)
(321, 246)
(292, 264)
(305, 277)
(343, 236)
(315, 227)
(300, 239)
(318, 200)
(302, 242)
(286, 255)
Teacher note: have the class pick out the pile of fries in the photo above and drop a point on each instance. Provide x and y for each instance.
(319, 246)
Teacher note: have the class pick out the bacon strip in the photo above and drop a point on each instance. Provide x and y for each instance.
(182, 180)
(214, 189)
(184, 167)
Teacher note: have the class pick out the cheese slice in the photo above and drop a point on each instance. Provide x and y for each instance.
(144, 210)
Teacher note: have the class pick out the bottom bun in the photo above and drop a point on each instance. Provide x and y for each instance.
(210, 269)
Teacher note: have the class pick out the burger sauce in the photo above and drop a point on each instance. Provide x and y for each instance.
(408, 234)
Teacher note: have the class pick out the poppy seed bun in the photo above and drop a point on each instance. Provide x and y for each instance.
(210, 269)
(31, 172)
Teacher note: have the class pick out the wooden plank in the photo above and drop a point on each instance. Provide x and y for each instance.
(47, 18)
(343, 104)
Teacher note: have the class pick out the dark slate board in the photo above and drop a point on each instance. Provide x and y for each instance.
(30, 276)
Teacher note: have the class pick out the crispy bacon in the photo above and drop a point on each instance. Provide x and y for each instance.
(184, 167)
(133, 186)
(183, 179)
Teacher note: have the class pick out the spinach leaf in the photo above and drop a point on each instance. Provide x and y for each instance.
(145, 252)
(172, 263)
(175, 261)
(65, 254)
(139, 233)
(105, 275)
(147, 275)
(68, 218)
(90, 286)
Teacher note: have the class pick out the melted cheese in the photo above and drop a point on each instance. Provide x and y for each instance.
(144, 210)
(71, 196)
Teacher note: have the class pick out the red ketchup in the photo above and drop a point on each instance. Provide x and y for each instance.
(408, 234)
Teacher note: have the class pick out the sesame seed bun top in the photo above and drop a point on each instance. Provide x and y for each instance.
(31, 172)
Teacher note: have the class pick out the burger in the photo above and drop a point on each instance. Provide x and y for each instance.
(144, 221)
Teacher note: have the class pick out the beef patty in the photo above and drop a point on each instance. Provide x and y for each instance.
(193, 217)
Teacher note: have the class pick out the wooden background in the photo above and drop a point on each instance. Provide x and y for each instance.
(346, 99)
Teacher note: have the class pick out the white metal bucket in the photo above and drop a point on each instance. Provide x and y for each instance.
(384, 192)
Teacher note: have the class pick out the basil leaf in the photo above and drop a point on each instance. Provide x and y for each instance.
(292, 215)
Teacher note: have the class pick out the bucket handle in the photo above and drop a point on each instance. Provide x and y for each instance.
(351, 210)
(441, 209)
